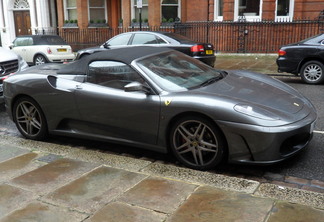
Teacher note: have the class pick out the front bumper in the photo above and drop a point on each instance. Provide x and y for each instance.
(267, 145)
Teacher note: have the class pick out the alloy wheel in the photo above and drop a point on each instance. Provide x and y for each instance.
(312, 72)
(197, 144)
(39, 60)
(29, 119)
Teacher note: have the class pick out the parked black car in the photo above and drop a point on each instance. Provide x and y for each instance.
(201, 51)
(305, 58)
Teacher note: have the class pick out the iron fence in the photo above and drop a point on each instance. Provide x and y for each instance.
(226, 36)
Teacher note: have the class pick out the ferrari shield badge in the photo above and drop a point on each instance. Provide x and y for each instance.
(167, 102)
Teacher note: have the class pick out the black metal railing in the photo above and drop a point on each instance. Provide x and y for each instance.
(226, 36)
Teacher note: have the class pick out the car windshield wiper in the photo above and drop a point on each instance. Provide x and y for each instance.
(210, 81)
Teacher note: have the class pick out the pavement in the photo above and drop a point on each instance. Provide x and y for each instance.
(43, 181)
(262, 63)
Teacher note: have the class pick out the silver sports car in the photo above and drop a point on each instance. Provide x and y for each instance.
(163, 100)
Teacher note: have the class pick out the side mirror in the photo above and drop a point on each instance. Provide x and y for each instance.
(137, 87)
(106, 45)
(11, 46)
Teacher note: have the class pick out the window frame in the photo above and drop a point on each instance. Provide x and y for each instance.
(104, 8)
(66, 10)
(218, 17)
(287, 18)
(178, 11)
(134, 8)
(248, 18)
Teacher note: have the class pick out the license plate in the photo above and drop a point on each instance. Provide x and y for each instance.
(209, 52)
(61, 50)
(1, 89)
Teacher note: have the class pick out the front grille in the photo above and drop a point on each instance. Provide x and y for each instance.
(9, 67)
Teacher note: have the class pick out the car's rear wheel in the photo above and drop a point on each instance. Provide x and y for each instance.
(39, 60)
(312, 72)
(29, 119)
(197, 143)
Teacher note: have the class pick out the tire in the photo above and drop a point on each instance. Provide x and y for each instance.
(312, 72)
(197, 143)
(29, 119)
(39, 60)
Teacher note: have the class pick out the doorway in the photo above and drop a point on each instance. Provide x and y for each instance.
(22, 23)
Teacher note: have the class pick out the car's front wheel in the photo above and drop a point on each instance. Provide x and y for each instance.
(312, 72)
(197, 143)
(29, 119)
(39, 60)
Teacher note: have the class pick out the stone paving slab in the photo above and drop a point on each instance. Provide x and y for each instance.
(17, 166)
(194, 176)
(121, 212)
(158, 194)
(211, 204)
(288, 212)
(92, 191)
(12, 198)
(52, 175)
(42, 212)
(10, 151)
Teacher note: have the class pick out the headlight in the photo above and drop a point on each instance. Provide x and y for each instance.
(256, 112)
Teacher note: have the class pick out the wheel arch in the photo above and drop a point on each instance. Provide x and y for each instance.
(42, 54)
(305, 60)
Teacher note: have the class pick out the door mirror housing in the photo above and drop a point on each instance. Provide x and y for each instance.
(137, 87)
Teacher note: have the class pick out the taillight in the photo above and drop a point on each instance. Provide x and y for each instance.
(197, 48)
(282, 52)
(49, 51)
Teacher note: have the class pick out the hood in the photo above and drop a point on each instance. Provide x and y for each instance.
(257, 89)
(6, 55)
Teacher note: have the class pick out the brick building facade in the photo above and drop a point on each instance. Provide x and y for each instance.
(155, 11)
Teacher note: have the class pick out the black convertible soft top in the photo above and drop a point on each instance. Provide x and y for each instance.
(125, 55)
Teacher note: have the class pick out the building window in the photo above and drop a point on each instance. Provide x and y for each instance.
(136, 11)
(97, 11)
(248, 9)
(170, 10)
(219, 4)
(284, 10)
(70, 10)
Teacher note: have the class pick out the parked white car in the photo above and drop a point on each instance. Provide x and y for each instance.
(40, 49)
(10, 63)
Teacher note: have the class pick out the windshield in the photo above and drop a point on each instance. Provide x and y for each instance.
(175, 71)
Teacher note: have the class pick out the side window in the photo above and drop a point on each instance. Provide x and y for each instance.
(112, 74)
(140, 39)
(120, 40)
(24, 41)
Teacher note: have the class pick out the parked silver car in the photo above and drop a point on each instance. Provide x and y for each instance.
(9, 63)
(163, 100)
